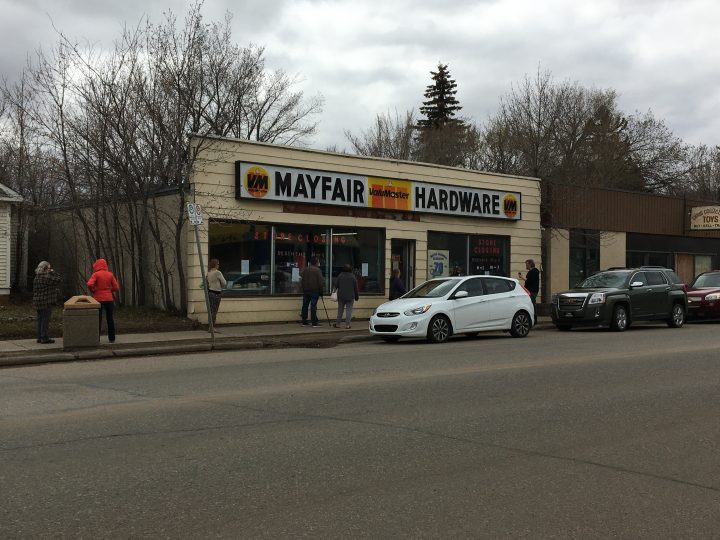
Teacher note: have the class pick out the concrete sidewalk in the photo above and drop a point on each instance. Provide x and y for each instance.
(237, 337)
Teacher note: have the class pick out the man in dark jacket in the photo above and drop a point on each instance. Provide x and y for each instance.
(45, 293)
(532, 283)
(312, 284)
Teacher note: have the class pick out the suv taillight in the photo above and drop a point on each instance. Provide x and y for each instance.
(526, 291)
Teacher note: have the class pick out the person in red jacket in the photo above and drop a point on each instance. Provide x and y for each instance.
(102, 284)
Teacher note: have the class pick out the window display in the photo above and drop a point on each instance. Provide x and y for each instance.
(268, 259)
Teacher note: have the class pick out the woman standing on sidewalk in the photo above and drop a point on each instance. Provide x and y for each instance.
(347, 294)
(102, 284)
(45, 292)
(216, 283)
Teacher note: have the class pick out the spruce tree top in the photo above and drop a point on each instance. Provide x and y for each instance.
(441, 104)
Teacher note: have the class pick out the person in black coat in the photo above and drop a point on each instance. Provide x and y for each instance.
(532, 282)
(397, 287)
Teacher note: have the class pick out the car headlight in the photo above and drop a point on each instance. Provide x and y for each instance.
(418, 310)
(597, 298)
(713, 296)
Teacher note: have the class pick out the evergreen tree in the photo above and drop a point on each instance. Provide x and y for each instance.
(441, 138)
(441, 104)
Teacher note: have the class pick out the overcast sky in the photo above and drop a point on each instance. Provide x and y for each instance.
(368, 56)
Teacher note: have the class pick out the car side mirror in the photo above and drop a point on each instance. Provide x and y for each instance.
(460, 294)
(636, 284)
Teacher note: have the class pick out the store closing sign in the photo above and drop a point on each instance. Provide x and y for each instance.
(268, 182)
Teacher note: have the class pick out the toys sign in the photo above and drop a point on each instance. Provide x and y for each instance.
(194, 214)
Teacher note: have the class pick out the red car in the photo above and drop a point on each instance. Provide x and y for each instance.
(704, 296)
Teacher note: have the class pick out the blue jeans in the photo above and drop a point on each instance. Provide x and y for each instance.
(310, 299)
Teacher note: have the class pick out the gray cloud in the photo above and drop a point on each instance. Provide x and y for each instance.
(375, 56)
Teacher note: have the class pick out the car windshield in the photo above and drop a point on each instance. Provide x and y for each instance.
(432, 289)
(605, 279)
(706, 280)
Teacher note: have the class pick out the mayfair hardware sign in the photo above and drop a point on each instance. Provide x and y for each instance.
(272, 183)
(705, 217)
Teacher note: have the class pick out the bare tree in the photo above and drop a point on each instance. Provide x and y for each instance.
(390, 137)
(116, 128)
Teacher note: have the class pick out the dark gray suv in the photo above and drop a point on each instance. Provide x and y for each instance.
(618, 297)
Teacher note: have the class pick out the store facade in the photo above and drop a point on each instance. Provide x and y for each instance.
(590, 229)
(268, 209)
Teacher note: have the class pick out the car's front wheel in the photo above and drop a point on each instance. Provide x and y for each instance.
(619, 321)
(521, 324)
(439, 329)
(677, 317)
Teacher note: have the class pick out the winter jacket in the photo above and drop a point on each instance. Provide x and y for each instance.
(347, 287)
(102, 284)
(45, 290)
(312, 279)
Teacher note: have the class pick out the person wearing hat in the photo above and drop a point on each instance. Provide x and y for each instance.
(311, 279)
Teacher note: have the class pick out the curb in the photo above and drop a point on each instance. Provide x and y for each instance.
(325, 339)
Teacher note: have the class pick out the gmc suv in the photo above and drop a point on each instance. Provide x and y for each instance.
(618, 297)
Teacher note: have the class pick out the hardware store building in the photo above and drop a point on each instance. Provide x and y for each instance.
(268, 209)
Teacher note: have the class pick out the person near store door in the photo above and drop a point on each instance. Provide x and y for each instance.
(532, 282)
(311, 279)
(347, 295)
(102, 284)
(397, 287)
(45, 293)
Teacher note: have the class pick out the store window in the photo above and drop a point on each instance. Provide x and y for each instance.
(584, 254)
(489, 255)
(468, 254)
(263, 259)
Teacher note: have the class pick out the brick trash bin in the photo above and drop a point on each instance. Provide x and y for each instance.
(80, 322)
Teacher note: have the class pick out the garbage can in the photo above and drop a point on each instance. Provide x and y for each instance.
(80, 322)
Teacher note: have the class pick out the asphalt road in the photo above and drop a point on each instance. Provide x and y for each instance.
(587, 434)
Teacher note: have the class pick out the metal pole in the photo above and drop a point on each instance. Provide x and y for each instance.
(205, 285)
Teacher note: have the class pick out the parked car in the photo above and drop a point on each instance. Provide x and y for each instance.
(441, 307)
(618, 297)
(252, 283)
(704, 296)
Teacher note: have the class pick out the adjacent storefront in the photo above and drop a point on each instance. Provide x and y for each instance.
(270, 209)
(591, 229)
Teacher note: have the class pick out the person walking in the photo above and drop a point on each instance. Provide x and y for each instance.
(216, 283)
(397, 287)
(311, 279)
(532, 283)
(347, 295)
(45, 293)
(102, 284)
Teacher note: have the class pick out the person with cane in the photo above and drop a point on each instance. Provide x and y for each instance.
(312, 285)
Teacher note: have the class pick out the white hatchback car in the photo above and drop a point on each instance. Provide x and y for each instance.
(468, 305)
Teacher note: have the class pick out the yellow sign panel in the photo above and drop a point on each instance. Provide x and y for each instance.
(389, 194)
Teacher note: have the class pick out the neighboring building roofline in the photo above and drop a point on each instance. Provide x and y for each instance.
(355, 156)
(8, 195)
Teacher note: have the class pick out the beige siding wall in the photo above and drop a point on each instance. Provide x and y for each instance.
(214, 183)
(612, 249)
(559, 242)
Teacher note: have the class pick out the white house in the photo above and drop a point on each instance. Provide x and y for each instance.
(8, 235)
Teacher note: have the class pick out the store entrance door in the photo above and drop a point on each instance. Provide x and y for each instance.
(403, 258)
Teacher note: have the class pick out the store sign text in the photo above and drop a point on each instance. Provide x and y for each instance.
(705, 217)
(266, 182)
